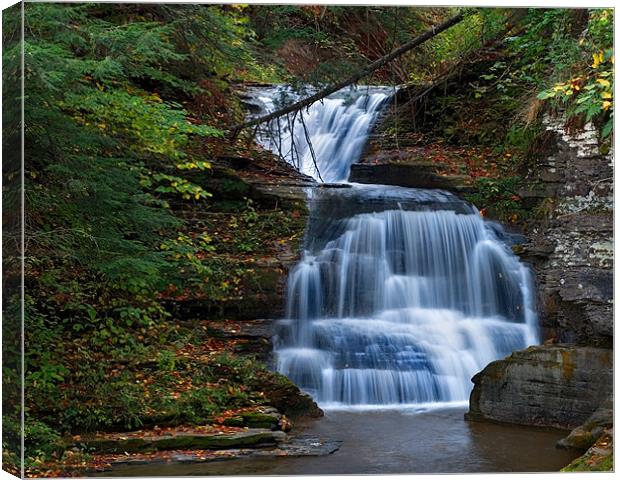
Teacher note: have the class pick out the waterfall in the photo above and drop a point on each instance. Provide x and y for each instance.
(335, 128)
(402, 295)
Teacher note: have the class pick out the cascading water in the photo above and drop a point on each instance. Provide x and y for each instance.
(402, 295)
(335, 128)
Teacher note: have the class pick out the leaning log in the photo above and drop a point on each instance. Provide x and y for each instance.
(306, 102)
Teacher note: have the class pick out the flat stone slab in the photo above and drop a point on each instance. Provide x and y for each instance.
(301, 446)
(252, 437)
(408, 175)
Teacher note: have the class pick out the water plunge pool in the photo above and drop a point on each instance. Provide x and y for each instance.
(385, 441)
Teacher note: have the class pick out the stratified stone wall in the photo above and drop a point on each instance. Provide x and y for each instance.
(571, 244)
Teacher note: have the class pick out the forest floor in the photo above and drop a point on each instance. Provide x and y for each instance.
(598, 458)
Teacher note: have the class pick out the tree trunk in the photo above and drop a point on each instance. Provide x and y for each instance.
(435, 30)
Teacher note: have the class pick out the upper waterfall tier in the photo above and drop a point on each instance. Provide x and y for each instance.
(325, 139)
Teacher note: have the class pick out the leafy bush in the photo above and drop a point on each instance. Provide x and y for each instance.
(41, 440)
(499, 196)
(583, 72)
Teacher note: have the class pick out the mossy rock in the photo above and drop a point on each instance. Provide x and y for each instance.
(287, 397)
(115, 445)
(584, 436)
(578, 439)
(254, 420)
(233, 422)
(261, 420)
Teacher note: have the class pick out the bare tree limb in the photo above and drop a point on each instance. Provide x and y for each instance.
(303, 124)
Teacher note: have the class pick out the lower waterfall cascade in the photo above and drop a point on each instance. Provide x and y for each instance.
(402, 295)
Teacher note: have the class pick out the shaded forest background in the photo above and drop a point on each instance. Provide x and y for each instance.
(127, 112)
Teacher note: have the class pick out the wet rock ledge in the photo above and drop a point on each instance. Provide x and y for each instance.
(261, 432)
(410, 169)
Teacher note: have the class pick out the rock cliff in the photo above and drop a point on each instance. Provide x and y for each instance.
(571, 243)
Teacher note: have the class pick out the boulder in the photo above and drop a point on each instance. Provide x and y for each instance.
(546, 385)
(584, 436)
(286, 397)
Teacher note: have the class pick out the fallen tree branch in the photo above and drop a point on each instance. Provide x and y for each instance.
(309, 142)
(306, 102)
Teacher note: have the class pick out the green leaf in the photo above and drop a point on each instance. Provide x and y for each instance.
(544, 95)
(608, 128)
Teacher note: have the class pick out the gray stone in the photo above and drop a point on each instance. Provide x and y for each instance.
(308, 446)
(571, 237)
(411, 175)
(584, 436)
(547, 385)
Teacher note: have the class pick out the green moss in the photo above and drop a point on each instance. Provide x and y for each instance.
(234, 422)
(607, 464)
(598, 458)
(584, 464)
(259, 420)
(581, 440)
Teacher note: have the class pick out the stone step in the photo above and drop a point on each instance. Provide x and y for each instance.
(419, 164)
(409, 175)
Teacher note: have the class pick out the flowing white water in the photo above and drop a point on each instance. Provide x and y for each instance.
(402, 295)
(335, 128)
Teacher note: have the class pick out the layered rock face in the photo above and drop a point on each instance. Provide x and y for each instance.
(570, 247)
(407, 169)
(269, 184)
(552, 385)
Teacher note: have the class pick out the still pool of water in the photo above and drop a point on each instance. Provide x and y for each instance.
(397, 441)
